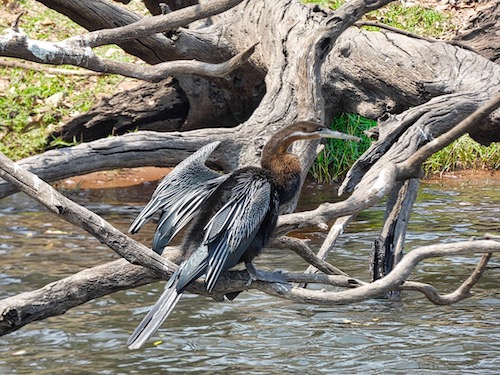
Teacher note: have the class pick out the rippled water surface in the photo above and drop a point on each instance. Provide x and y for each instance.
(258, 334)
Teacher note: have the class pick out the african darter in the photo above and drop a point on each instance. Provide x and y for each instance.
(234, 215)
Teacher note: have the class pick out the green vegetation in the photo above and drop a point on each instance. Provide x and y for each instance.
(464, 153)
(416, 18)
(35, 103)
(338, 155)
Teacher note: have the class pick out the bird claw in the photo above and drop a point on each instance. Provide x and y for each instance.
(269, 277)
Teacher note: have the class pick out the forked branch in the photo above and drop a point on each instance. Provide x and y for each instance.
(78, 50)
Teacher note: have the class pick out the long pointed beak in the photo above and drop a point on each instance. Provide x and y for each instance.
(327, 133)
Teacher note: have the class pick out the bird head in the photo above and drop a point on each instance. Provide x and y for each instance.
(314, 130)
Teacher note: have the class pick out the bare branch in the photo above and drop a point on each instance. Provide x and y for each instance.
(156, 24)
(409, 167)
(41, 68)
(301, 249)
(136, 150)
(335, 231)
(358, 201)
(390, 282)
(126, 247)
(58, 297)
(464, 291)
(17, 44)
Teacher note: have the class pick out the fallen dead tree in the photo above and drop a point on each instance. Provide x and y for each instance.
(311, 66)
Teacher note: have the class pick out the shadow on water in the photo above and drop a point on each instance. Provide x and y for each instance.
(257, 334)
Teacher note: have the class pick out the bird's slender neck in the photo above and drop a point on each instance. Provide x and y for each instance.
(284, 166)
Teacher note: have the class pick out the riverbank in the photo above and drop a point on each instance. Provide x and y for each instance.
(149, 175)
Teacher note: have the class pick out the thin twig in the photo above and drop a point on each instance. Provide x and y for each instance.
(304, 251)
(335, 231)
(15, 24)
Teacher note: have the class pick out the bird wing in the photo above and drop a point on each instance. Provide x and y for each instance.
(179, 195)
(232, 229)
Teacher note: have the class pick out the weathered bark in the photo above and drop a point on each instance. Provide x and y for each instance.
(388, 249)
(216, 102)
(155, 106)
(482, 31)
(311, 68)
(356, 77)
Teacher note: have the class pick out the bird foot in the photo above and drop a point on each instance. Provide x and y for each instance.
(270, 277)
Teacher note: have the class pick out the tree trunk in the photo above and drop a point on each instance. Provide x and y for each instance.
(356, 76)
(309, 64)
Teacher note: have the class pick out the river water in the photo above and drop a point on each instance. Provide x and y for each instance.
(258, 334)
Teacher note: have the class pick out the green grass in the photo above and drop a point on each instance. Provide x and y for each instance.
(338, 155)
(416, 19)
(34, 103)
(464, 153)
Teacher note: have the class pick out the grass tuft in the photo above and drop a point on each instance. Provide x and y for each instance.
(464, 153)
(338, 155)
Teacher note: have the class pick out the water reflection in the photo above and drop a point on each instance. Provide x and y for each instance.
(256, 334)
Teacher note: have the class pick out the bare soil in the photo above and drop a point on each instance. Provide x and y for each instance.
(115, 178)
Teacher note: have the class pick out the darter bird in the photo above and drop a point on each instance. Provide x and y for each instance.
(233, 216)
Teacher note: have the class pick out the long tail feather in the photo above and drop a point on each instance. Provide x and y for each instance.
(155, 318)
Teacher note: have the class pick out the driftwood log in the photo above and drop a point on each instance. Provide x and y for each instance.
(265, 64)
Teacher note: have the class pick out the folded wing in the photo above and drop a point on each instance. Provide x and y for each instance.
(179, 195)
(233, 229)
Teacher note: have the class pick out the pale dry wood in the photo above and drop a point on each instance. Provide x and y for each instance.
(41, 68)
(17, 44)
(156, 24)
(463, 291)
(300, 248)
(327, 246)
(394, 279)
(135, 150)
(310, 101)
